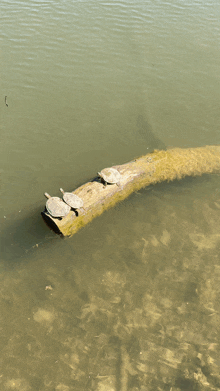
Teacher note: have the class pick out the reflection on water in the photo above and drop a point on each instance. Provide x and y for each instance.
(136, 309)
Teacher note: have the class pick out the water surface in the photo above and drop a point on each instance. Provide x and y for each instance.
(131, 302)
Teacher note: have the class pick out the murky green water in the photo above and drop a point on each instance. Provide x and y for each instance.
(132, 301)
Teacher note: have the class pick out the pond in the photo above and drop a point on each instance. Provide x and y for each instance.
(132, 301)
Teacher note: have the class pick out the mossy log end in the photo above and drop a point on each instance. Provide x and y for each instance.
(153, 168)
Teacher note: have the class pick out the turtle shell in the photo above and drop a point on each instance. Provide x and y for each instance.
(56, 207)
(72, 200)
(110, 175)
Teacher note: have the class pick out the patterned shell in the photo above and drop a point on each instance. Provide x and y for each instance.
(110, 175)
(72, 200)
(56, 207)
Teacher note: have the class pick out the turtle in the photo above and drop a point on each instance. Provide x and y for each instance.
(110, 175)
(56, 207)
(72, 200)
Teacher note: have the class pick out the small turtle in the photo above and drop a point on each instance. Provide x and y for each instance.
(56, 207)
(72, 200)
(110, 175)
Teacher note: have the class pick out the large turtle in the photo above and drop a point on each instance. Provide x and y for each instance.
(56, 207)
(110, 175)
(72, 200)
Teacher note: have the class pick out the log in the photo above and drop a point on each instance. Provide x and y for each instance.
(155, 167)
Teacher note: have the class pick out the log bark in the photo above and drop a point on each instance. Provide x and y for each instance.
(153, 168)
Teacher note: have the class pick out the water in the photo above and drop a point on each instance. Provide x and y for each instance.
(131, 302)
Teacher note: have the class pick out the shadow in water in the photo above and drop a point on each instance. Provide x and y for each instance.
(21, 232)
(145, 131)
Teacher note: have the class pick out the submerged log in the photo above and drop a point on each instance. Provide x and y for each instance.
(153, 168)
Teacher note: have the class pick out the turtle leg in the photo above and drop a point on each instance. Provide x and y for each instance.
(119, 185)
(104, 183)
(80, 211)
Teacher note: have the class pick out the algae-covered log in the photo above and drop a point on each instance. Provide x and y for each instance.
(153, 168)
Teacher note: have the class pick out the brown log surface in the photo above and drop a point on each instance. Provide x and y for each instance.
(153, 168)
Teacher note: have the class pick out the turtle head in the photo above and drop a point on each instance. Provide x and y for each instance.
(47, 195)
